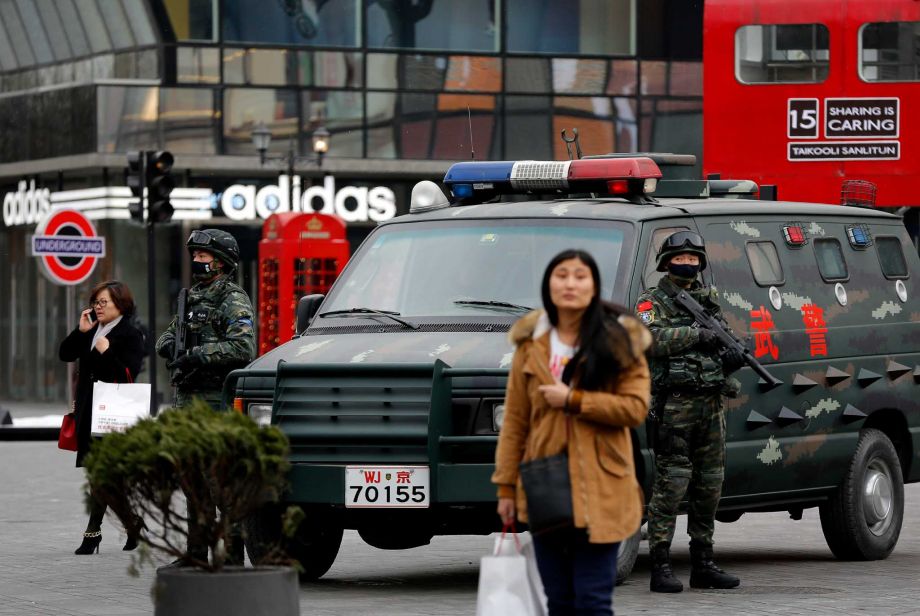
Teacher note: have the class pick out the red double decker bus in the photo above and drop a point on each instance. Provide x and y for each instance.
(807, 94)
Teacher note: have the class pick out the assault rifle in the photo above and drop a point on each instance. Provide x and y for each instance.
(185, 340)
(728, 341)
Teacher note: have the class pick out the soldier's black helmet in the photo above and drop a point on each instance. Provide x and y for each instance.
(680, 243)
(219, 243)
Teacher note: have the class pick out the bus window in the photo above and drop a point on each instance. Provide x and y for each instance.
(888, 51)
(795, 53)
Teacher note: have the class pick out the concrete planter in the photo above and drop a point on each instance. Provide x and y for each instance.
(235, 591)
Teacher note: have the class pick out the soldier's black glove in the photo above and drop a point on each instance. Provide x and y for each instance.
(167, 350)
(708, 340)
(185, 363)
(732, 360)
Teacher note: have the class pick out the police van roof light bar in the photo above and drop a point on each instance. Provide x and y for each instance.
(480, 181)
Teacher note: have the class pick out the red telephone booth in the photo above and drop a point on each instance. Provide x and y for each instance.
(299, 254)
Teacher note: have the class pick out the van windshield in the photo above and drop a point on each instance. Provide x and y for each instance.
(469, 268)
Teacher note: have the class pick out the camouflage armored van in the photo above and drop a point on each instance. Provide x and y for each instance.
(392, 395)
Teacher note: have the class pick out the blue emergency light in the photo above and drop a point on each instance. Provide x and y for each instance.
(858, 236)
(479, 181)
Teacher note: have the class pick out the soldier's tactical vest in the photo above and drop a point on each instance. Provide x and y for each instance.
(207, 324)
(691, 369)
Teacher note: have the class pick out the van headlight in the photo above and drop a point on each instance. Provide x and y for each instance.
(498, 416)
(260, 412)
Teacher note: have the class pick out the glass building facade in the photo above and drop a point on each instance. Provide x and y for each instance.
(404, 87)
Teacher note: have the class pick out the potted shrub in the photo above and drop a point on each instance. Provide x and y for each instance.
(226, 465)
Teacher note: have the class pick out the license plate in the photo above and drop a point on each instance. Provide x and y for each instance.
(386, 486)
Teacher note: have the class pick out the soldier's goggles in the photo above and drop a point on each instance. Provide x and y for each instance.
(682, 239)
(199, 238)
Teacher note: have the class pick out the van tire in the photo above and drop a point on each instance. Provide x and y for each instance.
(314, 545)
(627, 555)
(862, 520)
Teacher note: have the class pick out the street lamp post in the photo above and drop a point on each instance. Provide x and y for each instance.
(262, 138)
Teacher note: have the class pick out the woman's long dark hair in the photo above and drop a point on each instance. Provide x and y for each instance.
(604, 346)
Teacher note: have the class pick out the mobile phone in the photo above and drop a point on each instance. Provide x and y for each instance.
(92, 315)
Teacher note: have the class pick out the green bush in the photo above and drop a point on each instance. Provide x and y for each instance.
(224, 464)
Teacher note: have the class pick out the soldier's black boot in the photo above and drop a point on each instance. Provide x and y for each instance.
(663, 579)
(704, 573)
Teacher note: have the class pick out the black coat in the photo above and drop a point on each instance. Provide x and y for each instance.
(124, 355)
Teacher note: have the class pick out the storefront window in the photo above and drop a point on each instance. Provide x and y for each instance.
(192, 20)
(287, 22)
(434, 24)
(127, 118)
(571, 26)
(245, 108)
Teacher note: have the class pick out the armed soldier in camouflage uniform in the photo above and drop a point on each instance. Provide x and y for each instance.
(219, 338)
(219, 321)
(689, 377)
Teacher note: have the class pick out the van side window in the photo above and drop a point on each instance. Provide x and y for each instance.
(831, 264)
(765, 265)
(891, 257)
(782, 53)
(650, 276)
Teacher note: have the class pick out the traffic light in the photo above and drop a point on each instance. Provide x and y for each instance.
(160, 183)
(134, 178)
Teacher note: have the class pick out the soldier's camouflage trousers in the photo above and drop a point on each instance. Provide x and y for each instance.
(689, 460)
(212, 398)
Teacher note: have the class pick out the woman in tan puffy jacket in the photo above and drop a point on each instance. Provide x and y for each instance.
(579, 361)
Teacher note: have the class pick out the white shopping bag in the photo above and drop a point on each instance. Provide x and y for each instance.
(118, 406)
(505, 544)
(504, 586)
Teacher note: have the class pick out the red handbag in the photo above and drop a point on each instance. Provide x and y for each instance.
(68, 438)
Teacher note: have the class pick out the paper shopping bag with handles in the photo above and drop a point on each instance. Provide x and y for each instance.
(509, 544)
(504, 586)
(118, 406)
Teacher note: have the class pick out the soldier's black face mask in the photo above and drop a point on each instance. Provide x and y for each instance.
(204, 271)
(683, 272)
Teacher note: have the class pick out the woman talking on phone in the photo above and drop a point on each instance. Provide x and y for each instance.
(564, 464)
(109, 345)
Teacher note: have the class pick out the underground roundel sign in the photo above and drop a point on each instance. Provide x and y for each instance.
(68, 247)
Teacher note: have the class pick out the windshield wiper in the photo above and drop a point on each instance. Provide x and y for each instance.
(389, 314)
(492, 304)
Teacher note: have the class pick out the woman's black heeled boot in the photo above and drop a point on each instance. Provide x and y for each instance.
(90, 543)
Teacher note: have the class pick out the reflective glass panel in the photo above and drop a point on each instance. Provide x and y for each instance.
(188, 120)
(891, 257)
(76, 36)
(765, 264)
(91, 19)
(9, 18)
(593, 117)
(473, 73)
(433, 24)
(245, 108)
(788, 53)
(890, 51)
(140, 21)
(192, 20)
(571, 26)
(292, 22)
(342, 114)
(574, 76)
(527, 75)
(126, 118)
(686, 79)
(673, 126)
(654, 77)
(38, 38)
(197, 65)
(261, 67)
(7, 57)
(116, 21)
(623, 77)
(831, 263)
(330, 69)
(55, 29)
(382, 71)
(527, 128)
